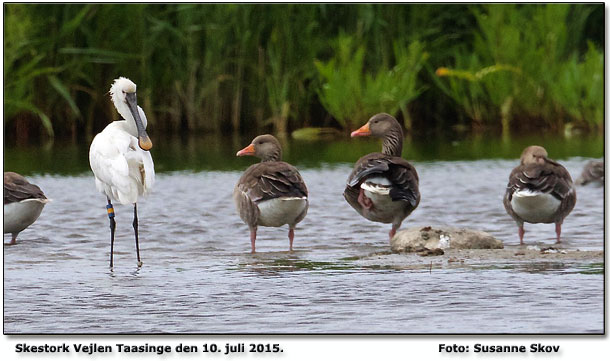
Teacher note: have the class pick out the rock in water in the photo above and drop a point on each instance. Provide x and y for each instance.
(413, 239)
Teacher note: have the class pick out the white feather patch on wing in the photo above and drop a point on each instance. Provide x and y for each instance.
(379, 185)
(39, 200)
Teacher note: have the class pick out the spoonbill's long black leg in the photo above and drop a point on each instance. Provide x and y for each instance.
(135, 229)
(110, 210)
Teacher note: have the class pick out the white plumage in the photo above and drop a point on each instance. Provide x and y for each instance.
(378, 185)
(20, 215)
(123, 171)
(535, 207)
(279, 211)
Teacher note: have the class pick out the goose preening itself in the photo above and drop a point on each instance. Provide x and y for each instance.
(539, 190)
(23, 202)
(383, 187)
(270, 193)
(593, 172)
(120, 158)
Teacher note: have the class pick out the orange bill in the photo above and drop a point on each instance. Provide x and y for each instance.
(144, 142)
(362, 132)
(249, 150)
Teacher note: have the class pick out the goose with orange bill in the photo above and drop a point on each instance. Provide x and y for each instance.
(383, 187)
(270, 193)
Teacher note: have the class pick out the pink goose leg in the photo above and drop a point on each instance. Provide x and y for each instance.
(364, 201)
(291, 237)
(392, 232)
(521, 233)
(558, 232)
(253, 239)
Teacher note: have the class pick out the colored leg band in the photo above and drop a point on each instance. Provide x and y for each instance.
(110, 210)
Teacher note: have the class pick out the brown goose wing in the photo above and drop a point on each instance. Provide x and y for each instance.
(402, 175)
(17, 189)
(268, 180)
(550, 177)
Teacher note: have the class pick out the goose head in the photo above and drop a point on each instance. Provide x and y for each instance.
(266, 147)
(379, 126)
(534, 154)
(386, 127)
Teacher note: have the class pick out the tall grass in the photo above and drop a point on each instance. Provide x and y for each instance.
(352, 94)
(35, 87)
(526, 65)
(236, 68)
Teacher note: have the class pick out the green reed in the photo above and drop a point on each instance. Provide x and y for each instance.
(526, 66)
(245, 68)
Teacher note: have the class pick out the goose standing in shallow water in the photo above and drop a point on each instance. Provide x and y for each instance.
(593, 172)
(270, 193)
(120, 159)
(383, 187)
(539, 190)
(23, 202)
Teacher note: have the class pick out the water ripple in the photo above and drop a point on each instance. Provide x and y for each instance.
(199, 277)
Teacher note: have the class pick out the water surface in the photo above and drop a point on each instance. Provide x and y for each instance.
(199, 277)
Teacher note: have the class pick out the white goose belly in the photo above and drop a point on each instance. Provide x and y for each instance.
(19, 215)
(279, 211)
(384, 210)
(535, 207)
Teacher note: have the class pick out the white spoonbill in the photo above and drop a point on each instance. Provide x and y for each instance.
(120, 159)
(23, 202)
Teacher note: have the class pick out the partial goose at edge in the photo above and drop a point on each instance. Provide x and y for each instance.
(23, 203)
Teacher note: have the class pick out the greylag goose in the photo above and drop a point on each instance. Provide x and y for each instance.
(270, 193)
(383, 187)
(23, 202)
(593, 172)
(539, 190)
(120, 159)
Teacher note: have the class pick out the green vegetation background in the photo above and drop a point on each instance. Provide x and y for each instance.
(246, 68)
